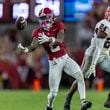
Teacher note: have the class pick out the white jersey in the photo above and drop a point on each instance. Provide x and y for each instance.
(105, 25)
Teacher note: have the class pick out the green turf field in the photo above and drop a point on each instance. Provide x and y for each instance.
(29, 100)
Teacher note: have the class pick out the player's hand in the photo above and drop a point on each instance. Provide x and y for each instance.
(22, 49)
(90, 72)
(43, 38)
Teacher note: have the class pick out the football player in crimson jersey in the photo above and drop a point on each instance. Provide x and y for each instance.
(51, 36)
(97, 53)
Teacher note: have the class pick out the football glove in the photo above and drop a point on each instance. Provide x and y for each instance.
(43, 38)
(22, 48)
(90, 72)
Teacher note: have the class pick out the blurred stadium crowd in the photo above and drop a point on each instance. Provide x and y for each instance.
(22, 70)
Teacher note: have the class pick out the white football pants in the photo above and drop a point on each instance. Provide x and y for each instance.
(70, 67)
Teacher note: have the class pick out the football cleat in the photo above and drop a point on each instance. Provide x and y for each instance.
(48, 108)
(67, 107)
(107, 102)
(86, 105)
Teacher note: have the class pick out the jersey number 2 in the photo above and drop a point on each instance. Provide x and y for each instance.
(107, 43)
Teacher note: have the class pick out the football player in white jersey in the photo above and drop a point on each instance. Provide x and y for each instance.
(97, 53)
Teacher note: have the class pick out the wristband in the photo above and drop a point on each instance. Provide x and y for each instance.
(53, 40)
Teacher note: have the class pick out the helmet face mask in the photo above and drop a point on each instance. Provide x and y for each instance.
(46, 18)
(46, 24)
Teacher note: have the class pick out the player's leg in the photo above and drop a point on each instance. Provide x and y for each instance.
(69, 95)
(85, 64)
(72, 69)
(105, 65)
(107, 102)
(55, 73)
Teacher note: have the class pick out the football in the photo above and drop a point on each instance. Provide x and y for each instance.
(20, 23)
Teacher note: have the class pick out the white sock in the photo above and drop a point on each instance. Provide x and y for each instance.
(81, 89)
(51, 99)
(81, 85)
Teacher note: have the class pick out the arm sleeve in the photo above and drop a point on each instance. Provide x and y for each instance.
(98, 48)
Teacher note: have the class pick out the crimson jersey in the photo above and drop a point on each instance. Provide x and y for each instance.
(53, 51)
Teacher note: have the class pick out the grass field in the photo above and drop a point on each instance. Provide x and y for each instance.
(30, 100)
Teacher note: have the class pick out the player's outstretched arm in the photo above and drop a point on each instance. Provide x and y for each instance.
(30, 48)
(99, 42)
